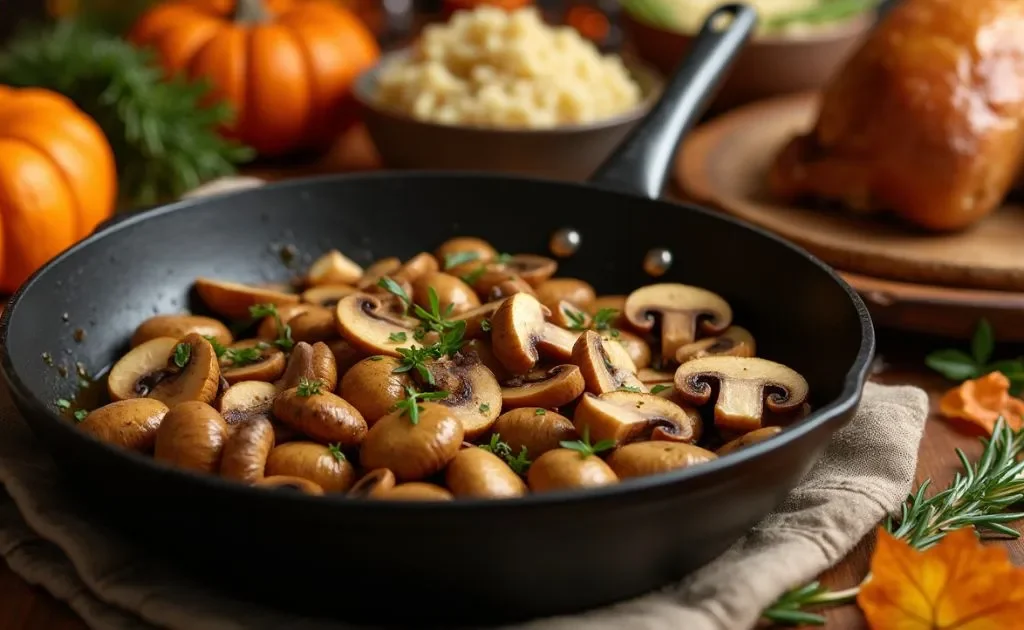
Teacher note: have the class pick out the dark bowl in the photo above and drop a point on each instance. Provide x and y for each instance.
(570, 152)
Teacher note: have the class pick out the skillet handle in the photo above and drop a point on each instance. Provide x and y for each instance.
(641, 163)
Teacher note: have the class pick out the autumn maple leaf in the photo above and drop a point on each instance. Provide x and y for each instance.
(957, 585)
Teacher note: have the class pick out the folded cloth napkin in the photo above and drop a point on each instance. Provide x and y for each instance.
(865, 473)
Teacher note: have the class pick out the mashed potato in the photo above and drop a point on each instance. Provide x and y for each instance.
(490, 67)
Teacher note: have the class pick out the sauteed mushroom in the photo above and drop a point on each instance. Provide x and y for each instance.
(478, 320)
(311, 362)
(345, 355)
(373, 483)
(453, 295)
(268, 329)
(625, 417)
(192, 436)
(533, 269)
(177, 326)
(246, 400)
(130, 424)
(462, 254)
(473, 393)
(319, 323)
(246, 450)
(373, 387)
(414, 491)
(652, 458)
(734, 342)
(365, 322)
(233, 300)
(637, 349)
(168, 370)
(289, 484)
(334, 268)
(327, 295)
(326, 466)
(251, 360)
(605, 366)
(748, 439)
(551, 293)
(552, 388)
(414, 442)
(682, 309)
(477, 473)
(135, 374)
(535, 429)
(745, 387)
(376, 271)
(311, 409)
(575, 465)
(520, 335)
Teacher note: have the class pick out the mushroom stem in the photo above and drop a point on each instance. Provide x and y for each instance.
(250, 12)
(678, 328)
(557, 341)
(738, 401)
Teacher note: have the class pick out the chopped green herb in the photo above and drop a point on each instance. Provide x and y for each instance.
(410, 404)
(496, 446)
(416, 359)
(80, 415)
(603, 319)
(182, 354)
(377, 358)
(584, 447)
(459, 258)
(398, 337)
(284, 331)
(472, 277)
(484, 408)
(503, 259)
(309, 387)
(660, 388)
(631, 389)
(396, 289)
(218, 348)
(578, 319)
(335, 450)
(485, 325)
(539, 412)
(63, 403)
(520, 463)
(242, 356)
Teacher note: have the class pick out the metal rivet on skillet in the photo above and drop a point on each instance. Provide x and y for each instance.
(565, 242)
(657, 261)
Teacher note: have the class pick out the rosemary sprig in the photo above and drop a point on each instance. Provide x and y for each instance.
(977, 497)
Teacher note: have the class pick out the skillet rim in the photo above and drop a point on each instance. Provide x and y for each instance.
(629, 489)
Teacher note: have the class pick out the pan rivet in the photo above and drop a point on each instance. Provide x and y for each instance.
(657, 261)
(565, 242)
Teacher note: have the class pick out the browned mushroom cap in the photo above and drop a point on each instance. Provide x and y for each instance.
(576, 292)
(474, 395)
(605, 365)
(373, 387)
(415, 491)
(311, 409)
(452, 293)
(507, 288)
(652, 458)
(680, 308)
(419, 265)
(177, 326)
(268, 329)
(192, 373)
(625, 417)
(311, 362)
(734, 342)
(476, 473)
(326, 466)
(366, 323)
(534, 269)
(246, 400)
(334, 268)
(413, 451)
(478, 320)
(520, 336)
(564, 469)
(130, 424)
(328, 294)
(289, 484)
(246, 451)
(568, 315)
(345, 355)
(637, 349)
(232, 300)
(252, 360)
(375, 482)
(748, 439)
(550, 389)
(745, 386)
(463, 254)
(192, 436)
(535, 429)
(135, 374)
(319, 323)
(376, 271)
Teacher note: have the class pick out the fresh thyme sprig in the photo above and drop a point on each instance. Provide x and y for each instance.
(309, 387)
(584, 447)
(601, 322)
(284, 331)
(519, 463)
(977, 497)
(410, 404)
(451, 333)
(471, 277)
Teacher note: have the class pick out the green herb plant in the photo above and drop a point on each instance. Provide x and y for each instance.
(959, 365)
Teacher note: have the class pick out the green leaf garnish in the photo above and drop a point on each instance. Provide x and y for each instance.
(459, 258)
(398, 337)
(539, 411)
(309, 387)
(63, 403)
(485, 325)
(410, 404)
(284, 331)
(577, 318)
(335, 450)
(484, 407)
(182, 354)
(584, 447)
(218, 348)
(958, 365)
(80, 414)
(396, 289)
(660, 388)
(633, 389)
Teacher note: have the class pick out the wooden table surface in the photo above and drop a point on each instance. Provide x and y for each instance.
(24, 607)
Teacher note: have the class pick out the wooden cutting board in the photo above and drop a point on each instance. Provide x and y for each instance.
(724, 164)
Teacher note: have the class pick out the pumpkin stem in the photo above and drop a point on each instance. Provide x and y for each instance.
(250, 12)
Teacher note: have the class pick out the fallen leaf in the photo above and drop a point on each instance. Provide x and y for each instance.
(982, 401)
(957, 585)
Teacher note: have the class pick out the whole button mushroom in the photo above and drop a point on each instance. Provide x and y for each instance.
(367, 323)
(233, 300)
(414, 442)
(326, 466)
(246, 451)
(317, 324)
(373, 483)
(681, 309)
(552, 388)
(578, 293)
(624, 417)
(536, 429)
(334, 268)
(748, 439)
(462, 254)
(575, 465)
(734, 342)
(130, 424)
(520, 335)
(416, 267)
(642, 459)
(605, 365)
(311, 409)
(283, 483)
(476, 473)
(414, 491)
(449, 291)
(192, 436)
(746, 386)
(178, 325)
(373, 387)
(251, 360)
(311, 362)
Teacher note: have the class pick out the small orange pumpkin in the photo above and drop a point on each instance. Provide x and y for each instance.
(286, 66)
(58, 180)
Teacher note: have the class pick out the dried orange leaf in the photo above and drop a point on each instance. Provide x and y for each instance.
(957, 585)
(982, 401)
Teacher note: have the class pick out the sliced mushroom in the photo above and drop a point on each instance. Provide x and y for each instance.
(745, 386)
(748, 439)
(130, 424)
(289, 484)
(605, 366)
(413, 451)
(649, 376)
(192, 436)
(478, 320)
(476, 473)
(365, 322)
(232, 300)
(135, 374)
(551, 389)
(734, 342)
(451, 292)
(565, 469)
(625, 417)
(326, 466)
(415, 491)
(345, 355)
(416, 267)
(652, 458)
(373, 387)
(311, 362)
(327, 295)
(568, 315)
(610, 303)
(637, 349)
(245, 401)
(313, 410)
(474, 395)
(376, 271)
(236, 365)
(680, 308)
(373, 483)
(534, 269)
(576, 292)
(192, 373)
(334, 268)
(317, 324)
(177, 326)
(246, 451)
(463, 254)
(506, 287)
(536, 429)
(268, 329)
(520, 336)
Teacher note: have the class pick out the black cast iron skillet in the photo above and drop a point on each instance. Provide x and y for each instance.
(471, 561)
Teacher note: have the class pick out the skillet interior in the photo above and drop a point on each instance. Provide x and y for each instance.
(494, 561)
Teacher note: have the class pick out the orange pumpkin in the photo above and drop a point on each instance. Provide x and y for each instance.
(285, 65)
(57, 180)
